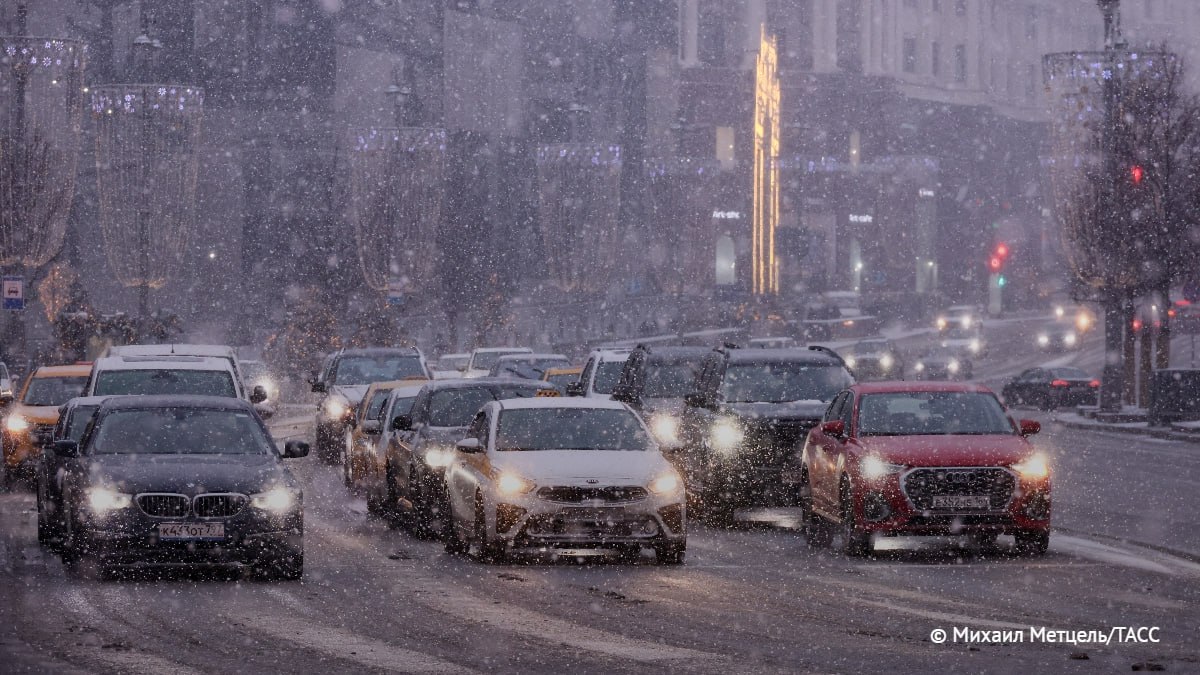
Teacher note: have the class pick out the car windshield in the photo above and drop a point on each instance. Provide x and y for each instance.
(375, 406)
(179, 431)
(1069, 373)
(53, 391)
(524, 367)
(607, 375)
(357, 370)
(165, 381)
(78, 422)
(456, 407)
(562, 379)
(670, 380)
(783, 381)
(401, 406)
(570, 429)
(931, 413)
(486, 360)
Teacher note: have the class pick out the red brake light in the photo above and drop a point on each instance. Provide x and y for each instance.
(1059, 383)
(1094, 384)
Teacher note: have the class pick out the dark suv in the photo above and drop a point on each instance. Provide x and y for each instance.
(344, 378)
(654, 381)
(750, 409)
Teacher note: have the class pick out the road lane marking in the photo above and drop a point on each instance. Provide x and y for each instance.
(1144, 559)
(346, 646)
(75, 602)
(941, 617)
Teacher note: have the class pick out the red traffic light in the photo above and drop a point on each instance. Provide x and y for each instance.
(1137, 173)
(995, 264)
(1002, 250)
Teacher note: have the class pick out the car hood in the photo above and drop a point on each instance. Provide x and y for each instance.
(961, 450)
(38, 414)
(577, 467)
(351, 392)
(443, 435)
(188, 474)
(788, 410)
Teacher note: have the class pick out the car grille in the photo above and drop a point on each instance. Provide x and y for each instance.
(164, 505)
(768, 441)
(922, 485)
(567, 494)
(218, 505)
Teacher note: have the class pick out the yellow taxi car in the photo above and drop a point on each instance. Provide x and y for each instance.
(35, 411)
(561, 377)
(366, 426)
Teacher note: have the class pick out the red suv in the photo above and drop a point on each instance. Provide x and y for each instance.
(923, 458)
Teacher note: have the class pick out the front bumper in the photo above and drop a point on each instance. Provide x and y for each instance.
(133, 538)
(883, 507)
(532, 522)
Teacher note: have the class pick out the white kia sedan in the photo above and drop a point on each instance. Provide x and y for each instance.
(566, 476)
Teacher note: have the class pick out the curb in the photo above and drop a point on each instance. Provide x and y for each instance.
(1153, 432)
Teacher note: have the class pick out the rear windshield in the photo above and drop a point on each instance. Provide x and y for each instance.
(485, 360)
(165, 381)
(53, 391)
(607, 375)
(783, 382)
(669, 380)
(570, 429)
(353, 370)
(179, 431)
(1072, 373)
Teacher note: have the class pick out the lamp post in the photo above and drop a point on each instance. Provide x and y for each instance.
(1115, 304)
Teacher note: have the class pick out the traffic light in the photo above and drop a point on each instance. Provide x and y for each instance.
(1001, 281)
(1136, 174)
(998, 258)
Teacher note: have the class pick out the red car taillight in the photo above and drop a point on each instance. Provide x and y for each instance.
(1059, 383)
(1094, 384)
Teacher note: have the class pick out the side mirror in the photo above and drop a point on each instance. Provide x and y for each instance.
(575, 389)
(67, 448)
(320, 388)
(43, 438)
(370, 427)
(470, 446)
(836, 428)
(1030, 427)
(259, 394)
(402, 423)
(294, 450)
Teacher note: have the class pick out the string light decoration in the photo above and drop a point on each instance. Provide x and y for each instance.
(765, 195)
(41, 108)
(147, 158)
(578, 202)
(396, 196)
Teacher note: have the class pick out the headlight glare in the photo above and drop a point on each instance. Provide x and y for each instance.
(665, 428)
(336, 408)
(103, 500)
(886, 362)
(975, 345)
(511, 484)
(725, 435)
(665, 484)
(874, 468)
(439, 458)
(953, 366)
(1033, 467)
(276, 500)
(1069, 339)
(851, 361)
(1043, 339)
(16, 424)
(920, 367)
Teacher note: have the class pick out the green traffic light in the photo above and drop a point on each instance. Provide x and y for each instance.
(1001, 281)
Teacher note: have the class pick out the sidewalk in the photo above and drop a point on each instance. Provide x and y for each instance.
(1179, 431)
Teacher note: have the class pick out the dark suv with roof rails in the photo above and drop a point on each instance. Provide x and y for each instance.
(749, 410)
(654, 381)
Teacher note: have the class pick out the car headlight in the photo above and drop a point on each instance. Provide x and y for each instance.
(920, 367)
(666, 484)
(851, 361)
(16, 424)
(941, 323)
(1083, 322)
(1059, 311)
(103, 500)
(953, 366)
(1070, 339)
(726, 435)
(511, 484)
(438, 458)
(1043, 339)
(336, 408)
(975, 345)
(874, 468)
(665, 428)
(886, 362)
(967, 321)
(275, 500)
(1033, 467)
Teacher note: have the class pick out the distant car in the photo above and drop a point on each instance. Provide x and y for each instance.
(450, 366)
(1081, 318)
(562, 378)
(181, 480)
(1050, 388)
(943, 363)
(344, 378)
(422, 446)
(654, 382)
(906, 459)
(1057, 336)
(369, 461)
(169, 349)
(964, 317)
(600, 373)
(969, 342)
(563, 473)
(73, 420)
(483, 358)
(258, 374)
(166, 375)
(6, 385)
(875, 359)
(364, 428)
(527, 366)
(34, 412)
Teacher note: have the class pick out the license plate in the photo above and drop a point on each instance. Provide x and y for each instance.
(176, 531)
(961, 502)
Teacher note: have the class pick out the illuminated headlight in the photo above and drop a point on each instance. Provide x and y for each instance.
(886, 362)
(1059, 311)
(276, 500)
(874, 468)
(511, 484)
(1070, 339)
(966, 321)
(1034, 467)
(336, 408)
(665, 428)
(725, 436)
(975, 346)
(1083, 322)
(665, 484)
(102, 501)
(941, 323)
(1043, 339)
(920, 367)
(439, 458)
(16, 424)
(851, 362)
(953, 366)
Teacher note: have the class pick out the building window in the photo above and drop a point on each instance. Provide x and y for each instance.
(726, 147)
(935, 58)
(1031, 22)
(960, 7)
(710, 38)
(1030, 81)
(791, 22)
(960, 63)
(1150, 9)
(910, 55)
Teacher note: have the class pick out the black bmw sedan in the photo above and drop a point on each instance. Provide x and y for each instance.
(191, 480)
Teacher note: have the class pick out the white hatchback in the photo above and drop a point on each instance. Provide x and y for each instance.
(571, 476)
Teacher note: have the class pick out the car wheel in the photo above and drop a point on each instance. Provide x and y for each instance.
(854, 543)
(422, 518)
(1034, 543)
(344, 460)
(670, 554)
(454, 543)
(285, 567)
(391, 502)
(716, 509)
(486, 549)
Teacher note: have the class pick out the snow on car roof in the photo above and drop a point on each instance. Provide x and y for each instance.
(86, 400)
(612, 354)
(172, 349)
(531, 356)
(163, 363)
(510, 350)
(546, 402)
(907, 386)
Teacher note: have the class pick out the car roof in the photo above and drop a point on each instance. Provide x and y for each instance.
(479, 382)
(919, 386)
(163, 363)
(791, 355)
(515, 350)
(381, 351)
(531, 356)
(407, 390)
(611, 354)
(76, 370)
(673, 353)
(86, 400)
(543, 402)
(174, 349)
(175, 401)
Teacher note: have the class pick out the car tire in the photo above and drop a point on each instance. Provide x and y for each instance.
(716, 509)
(421, 520)
(344, 460)
(485, 549)
(390, 508)
(453, 542)
(854, 543)
(670, 554)
(1034, 543)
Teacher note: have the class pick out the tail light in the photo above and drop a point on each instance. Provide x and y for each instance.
(1059, 383)
(1094, 384)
